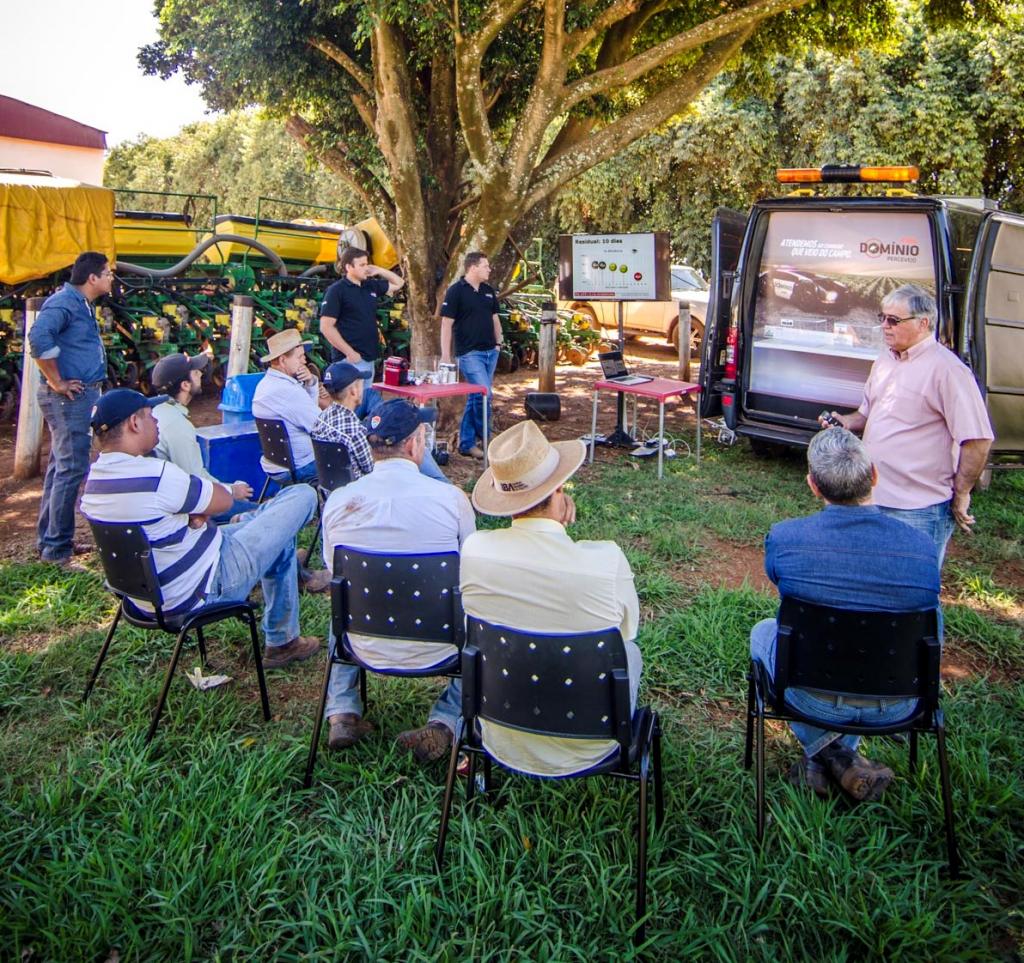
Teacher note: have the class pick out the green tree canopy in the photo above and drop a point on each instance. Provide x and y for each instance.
(452, 120)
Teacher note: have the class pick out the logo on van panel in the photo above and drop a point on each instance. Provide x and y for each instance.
(905, 249)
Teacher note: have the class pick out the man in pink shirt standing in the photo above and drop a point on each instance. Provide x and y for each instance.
(924, 422)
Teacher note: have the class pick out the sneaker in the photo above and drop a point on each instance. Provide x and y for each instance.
(347, 729)
(427, 744)
(809, 774)
(860, 778)
(298, 650)
(314, 582)
(475, 452)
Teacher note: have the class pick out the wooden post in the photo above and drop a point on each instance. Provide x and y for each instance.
(29, 442)
(241, 335)
(547, 349)
(685, 332)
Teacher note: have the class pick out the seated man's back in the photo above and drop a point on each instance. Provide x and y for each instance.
(535, 578)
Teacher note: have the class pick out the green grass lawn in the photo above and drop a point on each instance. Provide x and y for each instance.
(205, 846)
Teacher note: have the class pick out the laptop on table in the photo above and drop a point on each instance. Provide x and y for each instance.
(615, 369)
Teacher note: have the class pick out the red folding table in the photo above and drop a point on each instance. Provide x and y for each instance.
(422, 394)
(660, 389)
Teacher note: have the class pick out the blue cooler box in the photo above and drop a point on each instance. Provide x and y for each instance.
(231, 452)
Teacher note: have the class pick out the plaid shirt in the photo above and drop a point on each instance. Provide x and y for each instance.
(338, 424)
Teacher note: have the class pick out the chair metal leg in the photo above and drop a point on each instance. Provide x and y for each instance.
(913, 751)
(257, 657)
(488, 782)
(316, 540)
(471, 780)
(362, 690)
(759, 775)
(947, 797)
(103, 652)
(748, 745)
(446, 802)
(641, 858)
(182, 635)
(659, 788)
(318, 723)
(202, 647)
(263, 490)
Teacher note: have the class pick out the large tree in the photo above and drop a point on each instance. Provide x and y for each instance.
(452, 120)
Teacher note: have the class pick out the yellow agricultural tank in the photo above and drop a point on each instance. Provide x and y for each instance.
(148, 234)
(292, 241)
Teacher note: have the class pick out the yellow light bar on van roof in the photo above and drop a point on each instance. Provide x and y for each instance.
(846, 174)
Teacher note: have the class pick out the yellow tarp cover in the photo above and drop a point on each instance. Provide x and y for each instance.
(46, 222)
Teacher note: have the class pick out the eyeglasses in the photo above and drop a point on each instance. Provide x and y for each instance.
(891, 321)
(106, 274)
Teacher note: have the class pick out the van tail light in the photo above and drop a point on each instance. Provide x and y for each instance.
(732, 343)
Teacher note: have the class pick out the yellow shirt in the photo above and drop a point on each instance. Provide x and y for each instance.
(534, 577)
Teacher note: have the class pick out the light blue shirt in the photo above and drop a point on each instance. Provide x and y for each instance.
(66, 331)
(281, 396)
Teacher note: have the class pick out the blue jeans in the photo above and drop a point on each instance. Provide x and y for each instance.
(343, 696)
(935, 521)
(261, 548)
(238, 507)
(813, 739)
(371, 399)
(476, 367)
(304, 473)
(68, 421)
(430, 468)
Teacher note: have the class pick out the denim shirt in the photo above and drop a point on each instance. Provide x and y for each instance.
(66, 330)
(853, 557)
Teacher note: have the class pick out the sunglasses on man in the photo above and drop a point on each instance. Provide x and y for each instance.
(892, 321)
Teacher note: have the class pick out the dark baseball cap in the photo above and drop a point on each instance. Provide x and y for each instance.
(395, 421)
(340, 375)
(117, 405)
(172, 370)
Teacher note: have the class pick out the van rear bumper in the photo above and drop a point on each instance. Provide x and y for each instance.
(780, 435)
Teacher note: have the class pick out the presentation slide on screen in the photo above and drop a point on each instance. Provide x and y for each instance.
(619, 266)
(820, 285)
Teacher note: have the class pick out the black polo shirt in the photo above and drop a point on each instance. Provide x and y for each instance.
(355, 307)
(473, 313)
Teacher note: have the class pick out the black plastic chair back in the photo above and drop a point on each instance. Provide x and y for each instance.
(333, 464)
(127, 560)
(885, 655)
(575, 686)
(410, 597)
(274, 442)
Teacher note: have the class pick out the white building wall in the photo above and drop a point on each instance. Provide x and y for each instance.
(78, 163)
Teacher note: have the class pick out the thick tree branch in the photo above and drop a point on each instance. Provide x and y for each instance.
(577, 41)
(602, 81)
(341, 58)
(606, 142)
(355, 174)
(364, 107)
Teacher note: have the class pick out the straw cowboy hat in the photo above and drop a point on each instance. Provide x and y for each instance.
(524, 469)
(281, 343)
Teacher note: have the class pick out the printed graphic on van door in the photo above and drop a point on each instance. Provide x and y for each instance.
(822, 278)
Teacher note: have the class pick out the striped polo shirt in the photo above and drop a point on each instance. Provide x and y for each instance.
(159, 496)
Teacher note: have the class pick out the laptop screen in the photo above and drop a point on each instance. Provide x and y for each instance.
(612, 364)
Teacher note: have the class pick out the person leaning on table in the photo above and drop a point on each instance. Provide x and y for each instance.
(65, 343)
(924, 422)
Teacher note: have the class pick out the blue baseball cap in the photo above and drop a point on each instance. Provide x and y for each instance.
(340, 375)
(117, 405)
(395, 421)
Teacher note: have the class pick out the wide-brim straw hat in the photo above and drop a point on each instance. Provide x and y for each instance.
(524, 469)
(281, 343)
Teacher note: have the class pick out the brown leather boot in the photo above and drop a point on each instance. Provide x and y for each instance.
(860, 778)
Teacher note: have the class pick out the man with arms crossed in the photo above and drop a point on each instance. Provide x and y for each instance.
(850, 555)
(65, 343)
(348, 319)
(197, 561)
(470, 315)
(924, 422)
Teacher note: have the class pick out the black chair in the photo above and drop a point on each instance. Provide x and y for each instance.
(571, 686)
(127, 558)
(276, 448)
(858, 655)
(333, 465)
(412, 598)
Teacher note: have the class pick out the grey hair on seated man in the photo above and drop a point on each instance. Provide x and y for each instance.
(917, 302)
(839, 468)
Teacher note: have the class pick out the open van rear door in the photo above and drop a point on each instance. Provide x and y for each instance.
(727, 229)
(993, 336)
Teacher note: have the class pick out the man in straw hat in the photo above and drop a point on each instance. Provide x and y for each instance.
(395, 508)
(289, 391)
(532, 576)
